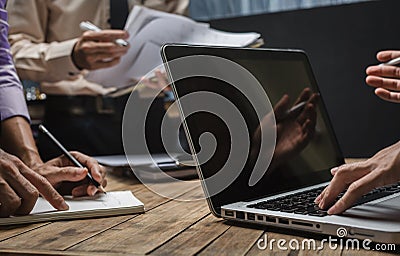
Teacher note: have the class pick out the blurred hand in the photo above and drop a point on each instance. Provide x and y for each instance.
(158, 82)
(386, 79)
(294, 131)
(360, 178)
(20, 188)
(95, 50)
(67, 179)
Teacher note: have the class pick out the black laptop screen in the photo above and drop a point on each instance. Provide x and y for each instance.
(305, 149)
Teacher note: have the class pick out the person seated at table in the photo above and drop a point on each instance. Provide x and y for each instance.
(49, 47)
(23, 174)
(381, 169)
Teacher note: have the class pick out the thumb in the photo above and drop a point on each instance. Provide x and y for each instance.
(67, 174)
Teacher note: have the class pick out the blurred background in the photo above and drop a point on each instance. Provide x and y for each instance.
(205, 10)
(341, 38)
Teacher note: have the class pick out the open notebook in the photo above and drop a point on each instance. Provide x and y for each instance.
(101, 205)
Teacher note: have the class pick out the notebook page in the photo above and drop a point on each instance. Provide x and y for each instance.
(110, 200)
(101, 205)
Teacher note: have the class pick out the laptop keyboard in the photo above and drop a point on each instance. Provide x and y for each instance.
(303, 202)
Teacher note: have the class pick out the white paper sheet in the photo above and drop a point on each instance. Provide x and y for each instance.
(112, 203)
(149, 30)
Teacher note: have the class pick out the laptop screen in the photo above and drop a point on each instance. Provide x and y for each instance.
(305, 145)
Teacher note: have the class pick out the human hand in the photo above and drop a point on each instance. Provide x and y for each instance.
(20, 188)
(386, 79)
(360, 178)
(95, 50)
(67, 179)
(295, 130)
(158, 82)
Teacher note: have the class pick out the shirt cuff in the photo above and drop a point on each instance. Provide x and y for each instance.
(61, 50)
(12, 103)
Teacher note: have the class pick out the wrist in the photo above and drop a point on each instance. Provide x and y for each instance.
(31, 158)
(74, 57)
(17, 139)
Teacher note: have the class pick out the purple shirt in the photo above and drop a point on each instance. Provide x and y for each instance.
(12, 101)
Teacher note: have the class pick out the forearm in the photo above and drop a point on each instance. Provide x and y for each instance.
(17, 139)
(43, 62)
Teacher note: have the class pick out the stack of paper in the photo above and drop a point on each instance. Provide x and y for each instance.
(149, 30)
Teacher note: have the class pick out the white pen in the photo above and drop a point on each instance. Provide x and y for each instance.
(88, 26)
(296, 108)
(394, 62)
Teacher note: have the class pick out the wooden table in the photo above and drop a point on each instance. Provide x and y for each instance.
(169, 227)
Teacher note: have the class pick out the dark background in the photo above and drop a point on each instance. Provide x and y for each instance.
(341, 41)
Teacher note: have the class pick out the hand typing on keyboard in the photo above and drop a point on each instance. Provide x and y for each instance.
(360, 178)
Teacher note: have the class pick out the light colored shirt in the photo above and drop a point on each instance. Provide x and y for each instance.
(44, 32)
(12, 101)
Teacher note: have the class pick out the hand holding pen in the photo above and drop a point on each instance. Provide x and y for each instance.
(98, 48)
(94, 172)
(386, 76)
(88, 26)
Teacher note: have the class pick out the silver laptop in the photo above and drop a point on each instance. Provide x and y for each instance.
(283, 194)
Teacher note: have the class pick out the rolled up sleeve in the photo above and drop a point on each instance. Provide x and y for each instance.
(12, 102)
(34, 57)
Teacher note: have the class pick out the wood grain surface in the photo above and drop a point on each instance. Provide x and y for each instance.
(170, 226)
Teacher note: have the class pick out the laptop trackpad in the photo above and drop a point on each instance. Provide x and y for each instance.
(393, 203)
(388, 210)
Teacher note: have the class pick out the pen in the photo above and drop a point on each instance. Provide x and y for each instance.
(169, 164)
(294, 109)
(88, 26)
(394, 62)
(71, 157)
